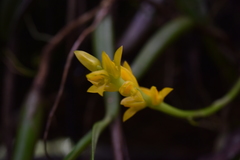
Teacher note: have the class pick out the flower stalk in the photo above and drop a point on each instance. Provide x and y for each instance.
(207, 111)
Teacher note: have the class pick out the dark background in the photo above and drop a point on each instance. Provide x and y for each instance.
(201, 66)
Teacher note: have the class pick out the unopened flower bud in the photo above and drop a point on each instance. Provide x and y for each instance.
(89, 61)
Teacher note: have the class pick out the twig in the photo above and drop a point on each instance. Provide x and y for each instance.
(8, 89)
(55, 41)
(118, 141)
(105, 5)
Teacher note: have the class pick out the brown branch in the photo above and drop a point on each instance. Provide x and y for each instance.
(8, 90)
(104, 8)
(54, 42)
(118, 141)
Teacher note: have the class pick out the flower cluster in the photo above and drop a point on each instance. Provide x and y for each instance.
(111, 76)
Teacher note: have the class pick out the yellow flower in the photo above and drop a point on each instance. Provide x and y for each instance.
(127, 75)
(155, 96)
(101, 82)
(129, 87)
(111, 76)
(135, 104)
(105, 76)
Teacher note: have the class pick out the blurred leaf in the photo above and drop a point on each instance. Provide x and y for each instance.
(103, 38)
(195, 9)
(97, 130)
(112, 108)
(79, 147)
(157, 44)
(29, 127)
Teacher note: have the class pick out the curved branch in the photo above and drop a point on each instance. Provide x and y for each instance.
(214, 107)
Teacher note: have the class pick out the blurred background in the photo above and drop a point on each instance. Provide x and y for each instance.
(201, 64)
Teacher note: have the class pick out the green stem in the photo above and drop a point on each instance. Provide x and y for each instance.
(79, 147)
(214, 107)
(119, 82)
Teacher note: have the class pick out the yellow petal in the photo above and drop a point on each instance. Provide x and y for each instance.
(146, 91)
(128, 76)
(93, 89)
(109, 66)
(133, 101)
(89, 61)
(128, 89)
(127, 66)
(117, 57)
(154, 95)
(97, 77)
(164, 92)
(96, 89)
(130, 112)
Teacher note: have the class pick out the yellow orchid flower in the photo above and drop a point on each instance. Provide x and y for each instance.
(129, 87)
(105, 76)
(135, 104)
(155, 96)
(111, 76)
(127, 75)
(134, 94)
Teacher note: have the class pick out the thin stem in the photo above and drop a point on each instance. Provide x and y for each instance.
(119, 82)
(80, 146)
(215, 106)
